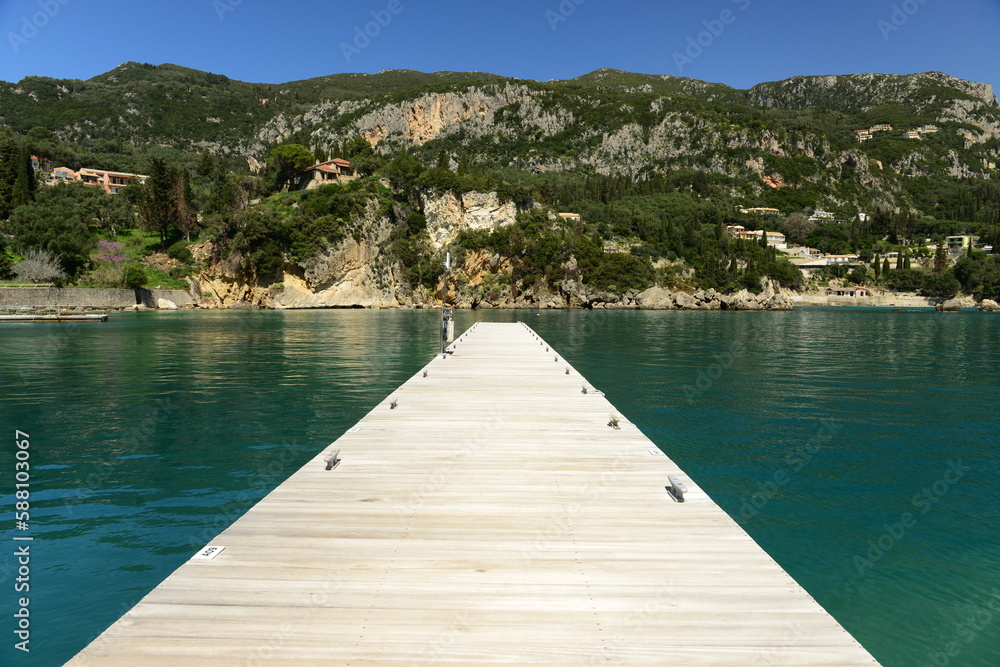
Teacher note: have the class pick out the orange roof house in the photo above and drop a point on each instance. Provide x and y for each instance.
(324, 173)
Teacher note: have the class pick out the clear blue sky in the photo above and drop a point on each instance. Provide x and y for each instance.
(760, 40)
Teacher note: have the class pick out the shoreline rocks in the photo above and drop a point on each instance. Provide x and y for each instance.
(989, 306)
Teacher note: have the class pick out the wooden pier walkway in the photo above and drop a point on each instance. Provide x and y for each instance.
(492, 515)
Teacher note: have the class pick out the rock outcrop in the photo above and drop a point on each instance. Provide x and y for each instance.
(989, 306)
(659, 298)
(950, 306)
(448, 214)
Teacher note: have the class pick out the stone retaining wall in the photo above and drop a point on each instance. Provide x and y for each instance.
(110, 299)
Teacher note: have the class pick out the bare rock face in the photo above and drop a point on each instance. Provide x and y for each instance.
(989, 306)
(448, 214)
(656, 298)
(353, 273)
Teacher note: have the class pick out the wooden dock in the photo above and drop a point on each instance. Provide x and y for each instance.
(493, 515)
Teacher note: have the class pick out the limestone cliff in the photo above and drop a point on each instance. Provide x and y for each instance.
(448, 214)
(353, 273)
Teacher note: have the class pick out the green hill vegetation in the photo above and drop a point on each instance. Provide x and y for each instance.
(656, 165)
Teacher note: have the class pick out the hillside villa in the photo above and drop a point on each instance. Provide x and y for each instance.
(776, 239)
(111, 181)
(325, 173)
(761, 211)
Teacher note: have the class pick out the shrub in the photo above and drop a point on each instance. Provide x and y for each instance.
(180, 252)
(133, 276)
(39, 266)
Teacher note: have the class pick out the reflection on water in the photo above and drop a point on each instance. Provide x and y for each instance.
(153, 432)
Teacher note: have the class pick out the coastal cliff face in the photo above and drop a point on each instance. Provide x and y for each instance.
(359, 272)
(353, 273)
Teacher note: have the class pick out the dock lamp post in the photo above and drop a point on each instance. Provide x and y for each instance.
(447, 314)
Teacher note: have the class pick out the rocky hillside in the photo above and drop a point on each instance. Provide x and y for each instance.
(363, 269)
(776, 144)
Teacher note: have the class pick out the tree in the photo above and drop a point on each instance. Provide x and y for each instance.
(877, 265)
(5, 262)
(206, 165)
(444, 161)
(798, 228)
(230, 194)
(23, 187)
(182, 204)
(9, 153)
(980, 275)
(154, 200)
(899, 259)
(133, 276)
(39, 266)
(355, 147)
(885, 267)
(286, 162)
(943, 285)
(941, 256)
(57, 222)
(906, 259)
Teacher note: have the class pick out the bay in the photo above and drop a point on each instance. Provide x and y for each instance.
(858, 447)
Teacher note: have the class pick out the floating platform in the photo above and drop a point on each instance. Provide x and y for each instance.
(66, 317)
(490, 510)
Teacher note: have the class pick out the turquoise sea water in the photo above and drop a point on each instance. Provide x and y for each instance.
(859, 448)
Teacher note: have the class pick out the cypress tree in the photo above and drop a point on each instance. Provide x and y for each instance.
(154, 205)
(5, 264)
(23, 190)
(941, 256)
(906, 259)
(885, 267)
(899, 260)
(9, 152)
(877, 265)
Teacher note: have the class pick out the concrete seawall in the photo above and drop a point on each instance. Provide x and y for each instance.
(110, 299)
(887, 301)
